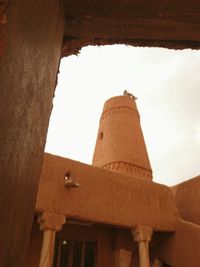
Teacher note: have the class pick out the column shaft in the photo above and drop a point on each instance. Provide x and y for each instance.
(50, 223)
(47, 252)
(142, 234)
(144, 254)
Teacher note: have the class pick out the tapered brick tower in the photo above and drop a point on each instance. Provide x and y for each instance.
(120, 145)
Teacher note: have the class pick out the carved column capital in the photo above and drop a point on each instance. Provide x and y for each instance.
(51, 221)
(142, 233)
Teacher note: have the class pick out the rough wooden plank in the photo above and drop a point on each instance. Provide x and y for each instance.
(171, 24)
(131, 28)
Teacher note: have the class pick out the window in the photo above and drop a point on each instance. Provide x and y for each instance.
(68, 253)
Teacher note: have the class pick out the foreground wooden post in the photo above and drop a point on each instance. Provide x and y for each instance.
(50, 223)
(47, 248)
(31, 35)
(142, 235)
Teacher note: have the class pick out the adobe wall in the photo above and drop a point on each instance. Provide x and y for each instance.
(104, 196)
(180, 249)
(187, 196)
(29, 59)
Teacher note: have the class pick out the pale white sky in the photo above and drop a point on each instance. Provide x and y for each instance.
(167, 84)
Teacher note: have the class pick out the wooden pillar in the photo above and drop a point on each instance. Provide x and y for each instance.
(50, 223)
(47, 251)
(122, 257)
(31, 35)
(142, 235)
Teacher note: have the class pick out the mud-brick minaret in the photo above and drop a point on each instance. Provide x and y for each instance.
(120, 145)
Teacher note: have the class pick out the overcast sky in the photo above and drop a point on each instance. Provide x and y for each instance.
(167, 84)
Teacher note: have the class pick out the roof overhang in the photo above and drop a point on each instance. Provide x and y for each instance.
(170, 24)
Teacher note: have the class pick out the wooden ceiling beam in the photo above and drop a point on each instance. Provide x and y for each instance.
(150, 23)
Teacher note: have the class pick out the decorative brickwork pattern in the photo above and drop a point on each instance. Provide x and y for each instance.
(119, 109)
(129, 169)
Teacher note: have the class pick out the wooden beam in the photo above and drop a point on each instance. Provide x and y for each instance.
(132, 28)
(169, 24)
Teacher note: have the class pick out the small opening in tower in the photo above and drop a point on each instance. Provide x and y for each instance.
(101, 135)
